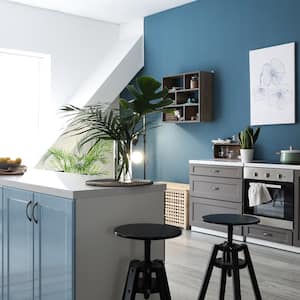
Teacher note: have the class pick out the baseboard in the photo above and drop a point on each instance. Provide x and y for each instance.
(216, 233)
(248, 239)
(273, 245)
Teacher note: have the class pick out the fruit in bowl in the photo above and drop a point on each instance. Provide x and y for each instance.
(8, 163)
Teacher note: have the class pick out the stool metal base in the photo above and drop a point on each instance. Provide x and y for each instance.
(230, 264)
(140, 280)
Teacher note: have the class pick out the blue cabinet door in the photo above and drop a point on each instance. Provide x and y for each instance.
(17, 245)
(53, 248)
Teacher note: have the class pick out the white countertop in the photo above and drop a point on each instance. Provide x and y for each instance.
(218, 162)
(64, 184)
(234, 163)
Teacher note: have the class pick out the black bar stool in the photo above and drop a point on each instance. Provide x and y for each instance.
(140, 273)
(230, 262)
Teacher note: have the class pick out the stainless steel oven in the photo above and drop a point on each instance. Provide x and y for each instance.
(279, 210)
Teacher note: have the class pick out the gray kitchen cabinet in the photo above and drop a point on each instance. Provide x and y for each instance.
(202, 206)
(214, 189)
(271, 234)
(297, 209)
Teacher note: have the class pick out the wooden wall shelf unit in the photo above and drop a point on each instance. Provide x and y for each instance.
(192, 97)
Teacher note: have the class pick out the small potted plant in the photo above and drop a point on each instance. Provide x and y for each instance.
(247, 138)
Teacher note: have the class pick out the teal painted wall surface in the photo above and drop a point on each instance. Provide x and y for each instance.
(216, 35)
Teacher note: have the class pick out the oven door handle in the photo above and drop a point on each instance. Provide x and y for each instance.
(271, 186)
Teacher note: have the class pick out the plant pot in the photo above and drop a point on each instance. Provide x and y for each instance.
(247, 155)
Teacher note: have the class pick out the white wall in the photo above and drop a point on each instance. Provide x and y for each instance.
(91, 61)
(77, 45)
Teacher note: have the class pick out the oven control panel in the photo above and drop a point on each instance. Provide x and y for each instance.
(269, 174)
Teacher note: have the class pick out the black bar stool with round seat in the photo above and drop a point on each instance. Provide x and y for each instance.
(229, 262)
(140, 278)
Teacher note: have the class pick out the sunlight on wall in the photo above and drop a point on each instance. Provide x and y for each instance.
(24, 103)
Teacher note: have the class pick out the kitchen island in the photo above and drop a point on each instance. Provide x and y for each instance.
(58, 240)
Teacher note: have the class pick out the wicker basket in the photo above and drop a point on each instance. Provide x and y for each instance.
(177, 204)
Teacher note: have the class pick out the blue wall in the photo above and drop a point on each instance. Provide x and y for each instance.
(216, 35)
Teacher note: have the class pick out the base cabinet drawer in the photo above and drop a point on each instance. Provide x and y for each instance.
(200, 207)
(216, 188)
(216, 171)
(271, 234)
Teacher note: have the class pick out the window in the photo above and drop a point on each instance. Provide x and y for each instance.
(24, 98)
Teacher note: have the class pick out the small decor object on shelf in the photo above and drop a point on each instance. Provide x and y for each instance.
(248, 138)
(95, 123)
(194, 82)
(192, 96)
(177, 114)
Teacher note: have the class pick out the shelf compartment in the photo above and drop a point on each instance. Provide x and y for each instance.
(188, 78)
(191, 113)
(173, 81)
(172, 116)
(183, 96)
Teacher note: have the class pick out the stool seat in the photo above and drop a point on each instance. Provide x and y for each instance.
(230, 219)
(147, 231)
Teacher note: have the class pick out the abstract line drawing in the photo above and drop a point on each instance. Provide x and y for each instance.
(272, 85)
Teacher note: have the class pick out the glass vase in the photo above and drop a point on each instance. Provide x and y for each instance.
(123, 161)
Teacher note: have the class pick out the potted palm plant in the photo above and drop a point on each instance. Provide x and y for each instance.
(124, 126)
(248, 138)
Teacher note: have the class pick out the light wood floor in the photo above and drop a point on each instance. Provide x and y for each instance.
(278, 272)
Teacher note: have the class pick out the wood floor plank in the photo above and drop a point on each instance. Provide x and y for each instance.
(277, 271)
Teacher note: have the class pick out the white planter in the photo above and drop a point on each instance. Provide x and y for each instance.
(247, 155)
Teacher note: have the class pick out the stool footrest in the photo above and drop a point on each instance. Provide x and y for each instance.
(146, 277)
(228, 247)
(220, 263)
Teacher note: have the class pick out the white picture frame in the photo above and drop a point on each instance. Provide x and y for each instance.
(272, 85)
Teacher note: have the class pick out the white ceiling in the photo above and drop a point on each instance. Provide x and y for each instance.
(117, 11)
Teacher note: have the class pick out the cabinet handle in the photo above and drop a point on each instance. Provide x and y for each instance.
(216, 171)
(33, 213)
(268, 234)
(215, 188)
(27, 207)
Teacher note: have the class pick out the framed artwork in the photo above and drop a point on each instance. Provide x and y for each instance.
(272, 85)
